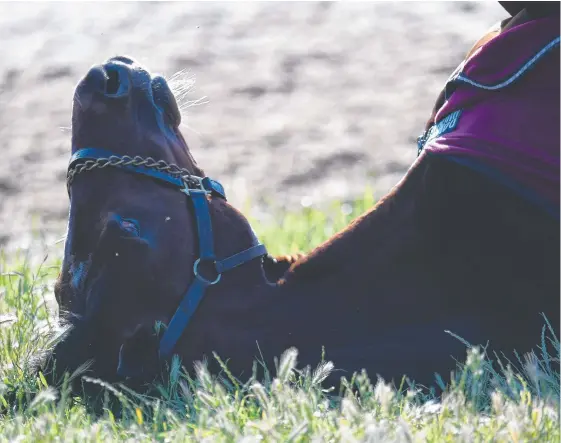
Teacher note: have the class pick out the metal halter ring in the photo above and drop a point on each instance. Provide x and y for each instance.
(200, 277)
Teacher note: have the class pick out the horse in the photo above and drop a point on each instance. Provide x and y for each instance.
(466, 242)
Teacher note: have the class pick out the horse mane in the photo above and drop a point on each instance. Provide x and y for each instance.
(386, 228)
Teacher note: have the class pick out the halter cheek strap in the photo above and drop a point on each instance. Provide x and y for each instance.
(197, 189)
(196, 291)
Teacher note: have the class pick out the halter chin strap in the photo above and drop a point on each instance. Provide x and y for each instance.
(197, 189)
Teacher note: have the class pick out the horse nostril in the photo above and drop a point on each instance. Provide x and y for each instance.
(117, 84)
(112, 85)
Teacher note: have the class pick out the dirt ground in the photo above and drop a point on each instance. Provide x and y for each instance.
(305, 102)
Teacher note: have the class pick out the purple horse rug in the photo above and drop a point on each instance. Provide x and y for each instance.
(501, 112)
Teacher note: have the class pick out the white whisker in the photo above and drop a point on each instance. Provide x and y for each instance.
(189, 128)
(200, 101)
(182, 84)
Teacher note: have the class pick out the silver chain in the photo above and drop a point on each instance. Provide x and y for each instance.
(126, 160)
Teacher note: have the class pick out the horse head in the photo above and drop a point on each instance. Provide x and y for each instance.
(133, 239)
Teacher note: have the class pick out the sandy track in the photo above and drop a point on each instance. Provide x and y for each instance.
(305, 100)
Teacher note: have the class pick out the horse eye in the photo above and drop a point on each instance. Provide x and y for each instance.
(130, 226)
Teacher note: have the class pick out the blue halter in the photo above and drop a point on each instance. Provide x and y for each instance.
(198, 189)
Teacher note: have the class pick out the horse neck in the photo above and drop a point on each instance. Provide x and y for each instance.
(370, 242)
(253, 310)
(378, 264)
(443, 243)
(438, 246)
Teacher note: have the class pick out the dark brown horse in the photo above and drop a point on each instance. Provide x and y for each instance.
(449, 248)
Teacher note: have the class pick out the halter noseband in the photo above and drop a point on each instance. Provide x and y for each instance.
(197, 188)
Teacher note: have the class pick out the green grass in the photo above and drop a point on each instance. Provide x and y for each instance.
(521, 403)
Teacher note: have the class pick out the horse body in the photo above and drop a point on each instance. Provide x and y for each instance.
(448, 248)
(382, 294)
